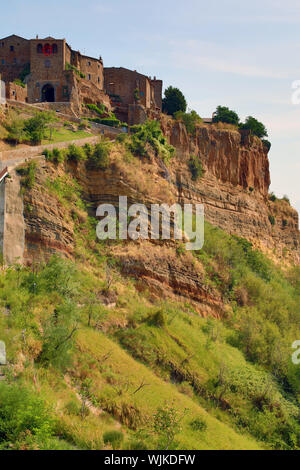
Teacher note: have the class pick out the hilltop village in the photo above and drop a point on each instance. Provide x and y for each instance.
(48, 71)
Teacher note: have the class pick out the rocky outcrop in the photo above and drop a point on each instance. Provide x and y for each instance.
(234, 188)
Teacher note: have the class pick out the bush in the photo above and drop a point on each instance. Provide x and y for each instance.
(98, 156)
(198, 425)
(195, 167)
(149, 135)
(55, 156)
(190, 120)
(257, 128)
(25, 422)
(98, 109)
(173, 101)
(19, 82)
(272, 197)
(111, 122)
(158, 319)
(267, 144)
(115, 438)
(15, 129)
(28, 175)
(75, 154)
(224, 114)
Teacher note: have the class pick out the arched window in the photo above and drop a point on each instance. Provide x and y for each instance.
(47, 49)
(39, 49)
(54, 49)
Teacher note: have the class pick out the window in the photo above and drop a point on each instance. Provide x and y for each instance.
(89, 76)
(47, 63)
(89, 64)
(12, 48)
(39, 49)
(15, 60)
(3, 62)
(98, 79)
(54, 49)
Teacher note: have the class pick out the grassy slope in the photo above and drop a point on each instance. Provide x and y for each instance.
(225, 373)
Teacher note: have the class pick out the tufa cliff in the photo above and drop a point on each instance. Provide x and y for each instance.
(233, 189)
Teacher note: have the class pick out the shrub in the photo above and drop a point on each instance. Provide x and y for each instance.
(111, 122)
(98, 109)
(266, 144)
(198, 425)
(54, 156)
(149, 135)
(190, 120)
(58, 337)
(28, 175)
(257, 128)
(272, 197)
(158, 319)
(98, 156)
(173, 101)
(19, 82)
(25, 422)
(115, 438)
(15, 129)
(224, 114)
(78, 72)
(75, 154)
(195, 167)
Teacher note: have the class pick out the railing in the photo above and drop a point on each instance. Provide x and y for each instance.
(3, 173)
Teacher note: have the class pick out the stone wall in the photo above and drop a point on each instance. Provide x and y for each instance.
(16, 92)
(12, 226)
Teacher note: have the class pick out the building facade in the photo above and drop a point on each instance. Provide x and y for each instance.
(47, 65)
(53, 72)
(128, 88)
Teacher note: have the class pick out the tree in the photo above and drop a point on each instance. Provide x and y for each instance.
(35, 127)
(167, 424)
(174, 101)
(224, 114)
(257, 128)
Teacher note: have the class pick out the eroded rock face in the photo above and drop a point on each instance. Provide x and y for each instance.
(232, 157)
(234, 188)
(234, 191)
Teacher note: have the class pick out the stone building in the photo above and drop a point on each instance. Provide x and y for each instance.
(132, 93)
(54, 73)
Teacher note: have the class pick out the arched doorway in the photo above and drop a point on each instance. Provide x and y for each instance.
(48, 93)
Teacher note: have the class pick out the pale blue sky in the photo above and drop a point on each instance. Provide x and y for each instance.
(228, 52)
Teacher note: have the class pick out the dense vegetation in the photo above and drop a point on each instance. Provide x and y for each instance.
(173, 101)
(224, 114)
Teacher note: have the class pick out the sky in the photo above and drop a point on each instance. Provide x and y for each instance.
(219, 52)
